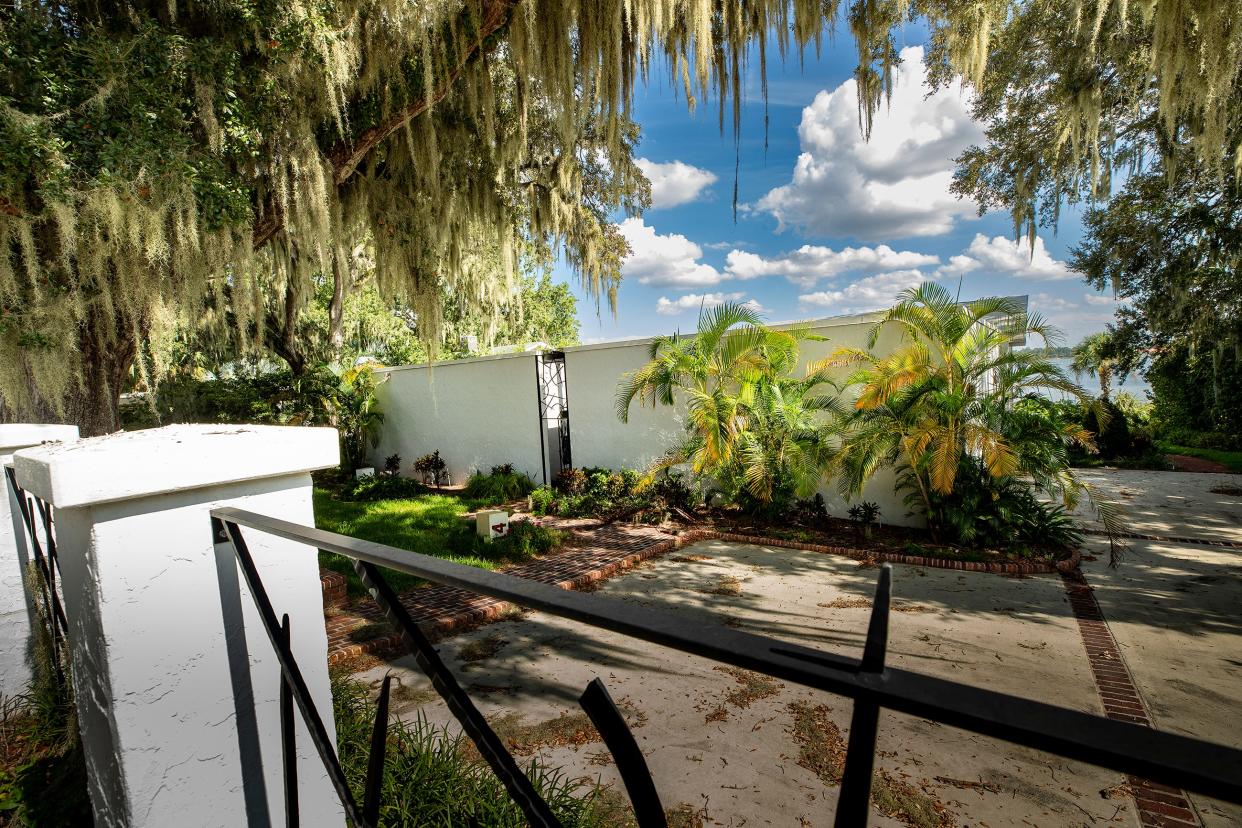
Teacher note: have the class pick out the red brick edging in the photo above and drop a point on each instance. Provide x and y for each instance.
(1159, 806)
(335, 588)
(444, 610)
(1021, 568)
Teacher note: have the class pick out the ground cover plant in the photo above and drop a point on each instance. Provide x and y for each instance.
(430, 524)
(608, 495)
(431, 778)
(503, 484)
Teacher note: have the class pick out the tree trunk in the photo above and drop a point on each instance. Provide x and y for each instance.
(336, 310)
(281, 332)
(107, 349)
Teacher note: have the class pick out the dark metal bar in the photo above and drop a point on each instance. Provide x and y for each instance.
(288, 736)
(632, 765)
(375, 762)
(1193, 764)
(293, 675)
(493, 750)
(854, 801)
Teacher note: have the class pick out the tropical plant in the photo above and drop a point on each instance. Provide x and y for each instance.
(432, 468)
(1095, 355)
(865, 516)
(351, 408)
(392, 464)
(954, 389)
(755, 429)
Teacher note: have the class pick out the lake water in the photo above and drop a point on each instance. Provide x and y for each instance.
(1135, 384)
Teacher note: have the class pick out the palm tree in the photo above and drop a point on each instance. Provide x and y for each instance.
(947, 394)
(749, 424)
(1094, 355)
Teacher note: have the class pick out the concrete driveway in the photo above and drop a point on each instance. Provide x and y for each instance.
(728, 748)
(1175, 609)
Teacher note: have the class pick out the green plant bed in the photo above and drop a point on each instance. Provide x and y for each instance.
(1231, 459)
(432, 779)
(430, 524)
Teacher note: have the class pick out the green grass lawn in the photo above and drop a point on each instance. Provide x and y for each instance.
(429, 524)
(1232, 459)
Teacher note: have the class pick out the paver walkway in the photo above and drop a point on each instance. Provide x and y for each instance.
(593, 554)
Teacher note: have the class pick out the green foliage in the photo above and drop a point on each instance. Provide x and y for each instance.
(524, 540)
(380, 487)
(392, 464)
(429, 779)
(433, 468)
(1096, 354)
(501, 485)
(983, 512)
(1230, 459)
(599, 493)
(542, 500)
(758, 432)
(43, 779)
(351, 407)
(953, 392)
(433, 524)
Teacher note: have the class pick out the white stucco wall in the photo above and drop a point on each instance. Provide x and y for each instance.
(478, 412)
(175, 679)
(483, 411)
(601, 439)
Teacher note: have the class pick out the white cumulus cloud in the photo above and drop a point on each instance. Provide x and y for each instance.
(867, 294)
(811, 263)
(664, 259)
(674, 182)
(697, 301)
(896, 184)
(1006, 256)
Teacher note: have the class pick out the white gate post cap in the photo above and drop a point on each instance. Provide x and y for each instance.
(131, 464)
(15, 436)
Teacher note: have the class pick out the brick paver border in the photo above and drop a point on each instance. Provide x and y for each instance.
(606, 551)
(1159, 806)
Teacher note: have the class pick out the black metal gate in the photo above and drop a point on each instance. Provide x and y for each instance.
(553, 389)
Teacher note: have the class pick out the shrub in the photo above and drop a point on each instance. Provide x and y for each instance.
(570, 481)
(381, 487)
(984, 512)
(430, 779)
(673, 491)
(543, 501)
(432, 468)
(865, 516)
(499, 486)
(503, 468)
(812, 511)
(392, 464)
(525, 540)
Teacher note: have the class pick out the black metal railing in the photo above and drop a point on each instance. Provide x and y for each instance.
(37, 517)
(1191, 764)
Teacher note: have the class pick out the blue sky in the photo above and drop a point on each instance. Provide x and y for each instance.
(828, 224)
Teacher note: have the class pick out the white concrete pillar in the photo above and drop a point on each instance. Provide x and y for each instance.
(16, 610)
(175, 679)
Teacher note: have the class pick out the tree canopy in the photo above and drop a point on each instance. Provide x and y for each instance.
(154, 152)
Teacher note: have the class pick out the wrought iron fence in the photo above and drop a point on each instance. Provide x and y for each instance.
(37, 516)
(1192, 764)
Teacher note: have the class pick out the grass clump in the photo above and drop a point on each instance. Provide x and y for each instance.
(502, 485)
(726, 585)
(429, 780)
(482, 649)
(525, 540)
(821, 750)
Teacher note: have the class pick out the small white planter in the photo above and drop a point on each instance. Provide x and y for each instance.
(491, 524)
